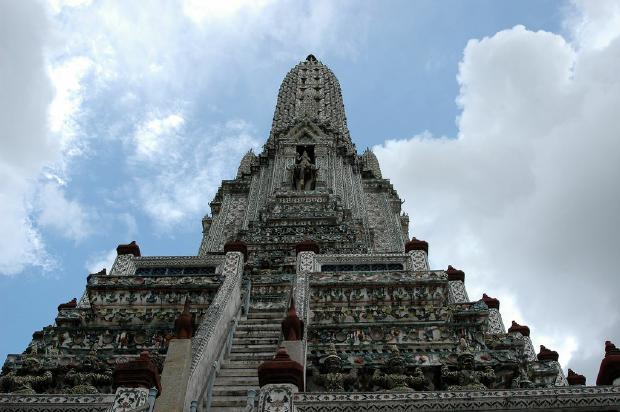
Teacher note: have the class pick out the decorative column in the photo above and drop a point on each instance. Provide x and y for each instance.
(298, 315)
(456, 286)
(276, 398)
(123, 264)
(324, 169)
(134, 381)
(418, 252)
(306, 252)
(495, 325)
(524, 332)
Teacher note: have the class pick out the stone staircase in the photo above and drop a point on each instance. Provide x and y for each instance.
(254, 341)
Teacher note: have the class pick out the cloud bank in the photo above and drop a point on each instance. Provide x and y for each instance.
(525, 198)
(82, 80)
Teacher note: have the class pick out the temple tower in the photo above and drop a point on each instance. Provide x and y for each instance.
(306, 295)
(308, 183)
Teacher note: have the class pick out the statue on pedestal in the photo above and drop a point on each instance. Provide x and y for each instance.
(304, 172)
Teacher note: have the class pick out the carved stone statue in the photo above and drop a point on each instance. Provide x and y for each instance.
(28, 380)
(304, 172)
(86, 382)
(334, 379)
(466, 377)
(521, 377)
(396, 379)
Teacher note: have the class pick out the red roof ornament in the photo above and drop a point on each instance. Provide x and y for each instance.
(292, 326)
(575, 378)
(281, 369)
(522, 329)
(183, 324)
(129, 249)
(307, 245)
(415, 244)
(455, 274)
(138, 373)
(547, 354)
(68, 305)
(609, 371)
(492, 303)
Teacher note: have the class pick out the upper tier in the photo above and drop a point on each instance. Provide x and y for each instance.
(310, 91)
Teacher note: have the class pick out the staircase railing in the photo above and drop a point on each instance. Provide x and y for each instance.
(224, 352)
(247, 286)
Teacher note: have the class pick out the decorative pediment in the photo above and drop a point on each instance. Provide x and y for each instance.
(306, 132)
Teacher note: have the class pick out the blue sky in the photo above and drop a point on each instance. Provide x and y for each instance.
(496, 122)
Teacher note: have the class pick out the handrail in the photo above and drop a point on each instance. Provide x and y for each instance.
(214, 368)
(246, 299)
(289, 298)
(223, 353)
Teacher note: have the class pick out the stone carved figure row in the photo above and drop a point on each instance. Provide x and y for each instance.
(372, 334)
(92, 375)
(378, 313)
(398, 374)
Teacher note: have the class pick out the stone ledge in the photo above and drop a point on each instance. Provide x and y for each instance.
(64, 402)
(569, 399)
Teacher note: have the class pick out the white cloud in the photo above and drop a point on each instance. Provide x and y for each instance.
(201, 10)
(67, 217)
(101, 260)
(25, 146)
(67, 78)
(525, 198)
(115, 81)
(156, 136)
(594, 24)
(56, 6)
(21, 245)
(178, 183)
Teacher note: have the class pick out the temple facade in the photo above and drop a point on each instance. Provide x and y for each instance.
(306, 294)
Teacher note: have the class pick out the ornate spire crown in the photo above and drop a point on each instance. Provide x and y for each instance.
(310, 92)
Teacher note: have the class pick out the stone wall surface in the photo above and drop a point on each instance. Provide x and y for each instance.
(566, 399)
(56, 403)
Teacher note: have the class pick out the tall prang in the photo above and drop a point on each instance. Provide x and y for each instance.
(306, 295)
(308, 183)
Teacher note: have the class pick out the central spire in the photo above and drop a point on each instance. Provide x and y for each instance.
(310, 92)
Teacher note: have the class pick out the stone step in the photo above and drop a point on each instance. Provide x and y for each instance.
(256, 333)
(267, 326)
(266, 315)
(260, 322)
(234, 390)
(252, 348)
(241, 364)
(236, 380)
(250, 356)
(228, 409)
(255, 341)
(239, 373)
(229, 400)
